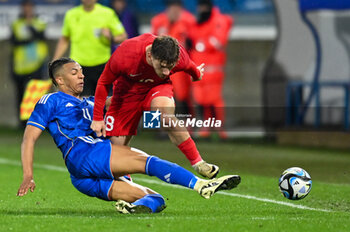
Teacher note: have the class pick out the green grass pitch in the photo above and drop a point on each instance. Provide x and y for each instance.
(256, 205)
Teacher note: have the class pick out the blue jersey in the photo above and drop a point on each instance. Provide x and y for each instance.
(66, 118)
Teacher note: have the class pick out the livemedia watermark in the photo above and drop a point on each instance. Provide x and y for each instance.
(154, 119)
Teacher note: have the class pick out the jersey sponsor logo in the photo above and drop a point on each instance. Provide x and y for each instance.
(69, 104)
(151, 119)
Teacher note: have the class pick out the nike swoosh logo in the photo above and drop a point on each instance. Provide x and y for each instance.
(155, 93)
(135, 75)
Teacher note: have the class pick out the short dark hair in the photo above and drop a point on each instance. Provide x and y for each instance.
(56, 65)
(27, 2)
(173, 2)
(165, 48)
(205, 2)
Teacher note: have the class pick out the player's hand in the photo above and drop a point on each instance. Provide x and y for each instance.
(201, 70)
(28, 183)
(99, 128)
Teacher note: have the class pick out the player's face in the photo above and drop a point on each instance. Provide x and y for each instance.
(162, 68)
(72, 79)
(174, 12)
(119, 5)
(28, 9)
(88, 3)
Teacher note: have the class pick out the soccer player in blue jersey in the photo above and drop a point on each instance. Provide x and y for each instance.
(96, 166)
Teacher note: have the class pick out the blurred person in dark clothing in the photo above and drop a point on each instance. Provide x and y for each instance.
(127, 17)
(30, 51)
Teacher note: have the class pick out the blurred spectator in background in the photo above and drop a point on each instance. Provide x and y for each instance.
(30, 51)
(77, 2)
(127, 18)
(90, 29)
(177, 22)
(209, 39)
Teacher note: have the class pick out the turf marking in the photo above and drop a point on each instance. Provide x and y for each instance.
(241, 196)
(43, 166)
(63, 169)
(263, 218)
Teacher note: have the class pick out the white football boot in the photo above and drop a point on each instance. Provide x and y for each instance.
(206, 188)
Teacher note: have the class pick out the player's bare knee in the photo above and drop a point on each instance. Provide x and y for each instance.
(163, 104)
(121, 140)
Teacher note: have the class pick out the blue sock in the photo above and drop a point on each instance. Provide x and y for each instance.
(170, 172)
(153, 201)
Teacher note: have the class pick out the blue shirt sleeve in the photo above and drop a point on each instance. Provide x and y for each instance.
(91, 98)
(41, 116)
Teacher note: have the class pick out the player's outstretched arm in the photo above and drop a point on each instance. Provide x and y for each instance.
(31, 135)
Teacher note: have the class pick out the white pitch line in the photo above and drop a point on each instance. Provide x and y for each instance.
(241, 196)
(43, 166)
(63, 169)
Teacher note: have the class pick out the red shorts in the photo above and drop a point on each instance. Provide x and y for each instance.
(126, 109)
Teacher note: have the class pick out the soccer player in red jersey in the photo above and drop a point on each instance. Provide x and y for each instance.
(140, 70)
(177, 22)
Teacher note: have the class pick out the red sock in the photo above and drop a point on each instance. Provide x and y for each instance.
(189, 149)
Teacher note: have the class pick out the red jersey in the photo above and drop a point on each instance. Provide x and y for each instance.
(161, 25)
(179, 29)
(128, 64)
(210, 39)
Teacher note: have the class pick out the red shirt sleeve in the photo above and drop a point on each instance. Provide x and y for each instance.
(187, 65)
(108, 76)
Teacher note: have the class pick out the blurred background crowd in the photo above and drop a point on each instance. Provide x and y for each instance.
(270, 64)
(176, 18)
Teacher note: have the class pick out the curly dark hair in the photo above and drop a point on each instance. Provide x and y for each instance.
(165, 48)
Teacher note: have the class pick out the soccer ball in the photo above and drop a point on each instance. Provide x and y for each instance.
(295, 183)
